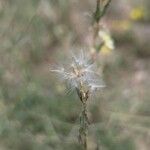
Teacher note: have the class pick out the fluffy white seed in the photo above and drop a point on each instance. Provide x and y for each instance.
(81, 72)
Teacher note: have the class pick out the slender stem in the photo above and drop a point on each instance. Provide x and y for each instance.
(101, 7)
(83, 131)
(85, 118)
(97, 11)
(105, 8)
(100, 10)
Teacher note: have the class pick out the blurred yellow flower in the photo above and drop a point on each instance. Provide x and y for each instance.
(108, 42)
(137, 13)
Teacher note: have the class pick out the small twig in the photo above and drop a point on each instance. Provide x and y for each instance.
(100, 10)
(101, 7)
(96, 14)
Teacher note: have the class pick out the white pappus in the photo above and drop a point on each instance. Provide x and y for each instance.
(81, 73)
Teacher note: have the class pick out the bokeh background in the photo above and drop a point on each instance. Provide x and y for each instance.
(36, 113)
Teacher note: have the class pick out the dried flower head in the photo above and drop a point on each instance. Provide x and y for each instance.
(81, 73)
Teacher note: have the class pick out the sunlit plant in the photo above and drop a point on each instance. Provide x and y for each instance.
(81, 73)
(82, 76)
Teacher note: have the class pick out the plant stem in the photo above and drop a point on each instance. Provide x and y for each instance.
(101, 8)
(83, 130)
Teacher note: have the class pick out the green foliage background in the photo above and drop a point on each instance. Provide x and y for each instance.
(35, 111)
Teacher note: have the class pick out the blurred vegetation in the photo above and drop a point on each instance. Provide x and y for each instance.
(35, 111)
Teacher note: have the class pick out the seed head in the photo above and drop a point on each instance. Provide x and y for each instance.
(81, 73)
